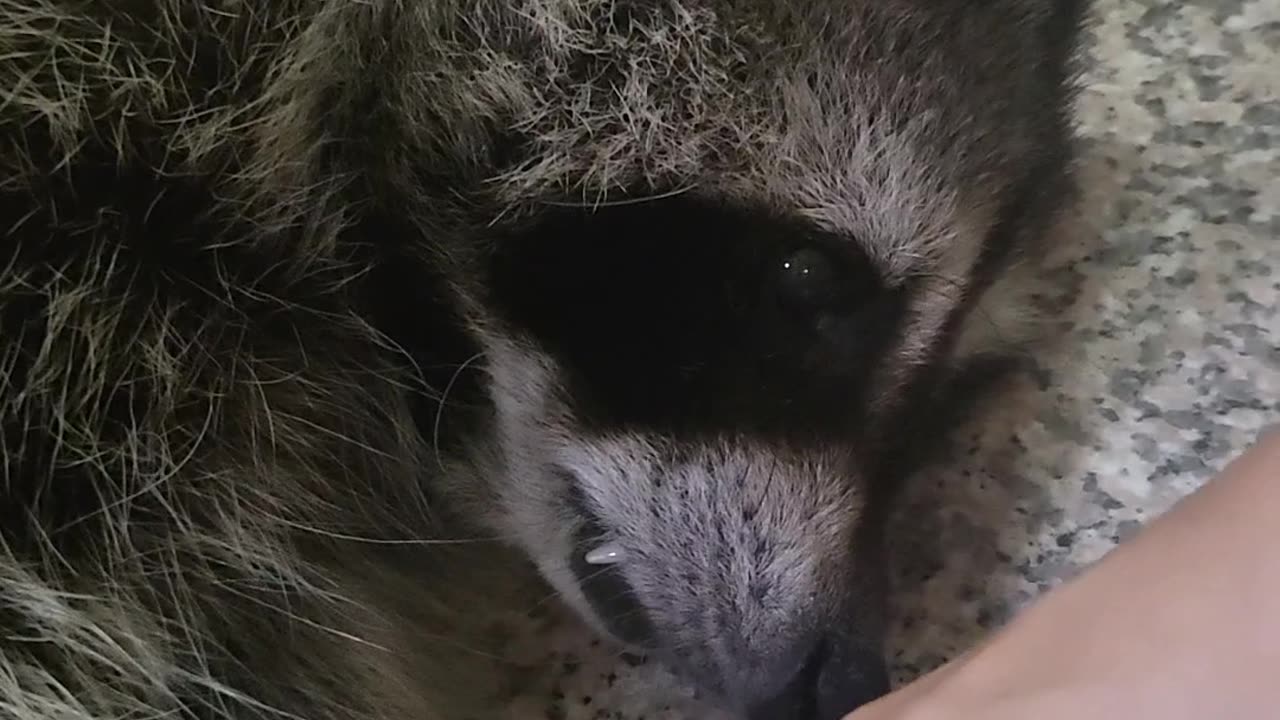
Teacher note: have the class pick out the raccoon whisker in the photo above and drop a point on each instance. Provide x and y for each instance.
(444, 398)
(556, 593)
(995, 327)
(388, 541)
(1003, 335)
(621, 202)
(307, 621)
(619, 617)
(454, 366)
(543, 601)
(953, 282)
(464, 647)
(335, 434)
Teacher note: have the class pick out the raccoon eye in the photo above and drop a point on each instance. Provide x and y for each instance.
(808, 282)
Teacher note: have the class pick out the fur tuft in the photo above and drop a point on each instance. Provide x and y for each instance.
(197, 424)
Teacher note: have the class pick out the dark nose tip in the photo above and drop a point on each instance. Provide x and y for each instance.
(835, 680)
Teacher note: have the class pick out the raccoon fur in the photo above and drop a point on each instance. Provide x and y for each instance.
(305, 301)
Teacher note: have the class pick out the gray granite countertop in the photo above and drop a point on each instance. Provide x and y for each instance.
(1171, 363)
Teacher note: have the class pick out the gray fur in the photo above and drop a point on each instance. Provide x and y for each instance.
(215, 496)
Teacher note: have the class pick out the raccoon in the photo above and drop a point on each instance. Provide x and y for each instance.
(656, 299)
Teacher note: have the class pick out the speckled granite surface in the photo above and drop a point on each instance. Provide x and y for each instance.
(1171, 363)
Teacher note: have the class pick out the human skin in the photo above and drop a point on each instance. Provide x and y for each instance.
(1180, 623)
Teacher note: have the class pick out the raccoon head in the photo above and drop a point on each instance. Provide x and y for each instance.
(698, 373)
(682, 391)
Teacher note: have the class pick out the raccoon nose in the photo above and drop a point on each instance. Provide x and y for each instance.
(835, 680)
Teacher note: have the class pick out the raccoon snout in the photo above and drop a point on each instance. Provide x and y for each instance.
(767, 616)
(836, 678)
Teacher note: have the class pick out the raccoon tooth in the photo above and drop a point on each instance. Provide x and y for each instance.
(607, 554)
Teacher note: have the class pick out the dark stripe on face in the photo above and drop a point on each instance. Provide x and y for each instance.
(606, 590)
(689, 316)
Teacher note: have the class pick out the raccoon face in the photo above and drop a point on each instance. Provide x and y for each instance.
(687, 407)
(695, 393)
